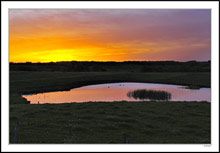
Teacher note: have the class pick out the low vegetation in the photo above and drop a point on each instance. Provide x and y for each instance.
(144, 94)
(112, 122)
(127, 66)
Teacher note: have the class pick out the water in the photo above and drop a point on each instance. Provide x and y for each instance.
(117, 92)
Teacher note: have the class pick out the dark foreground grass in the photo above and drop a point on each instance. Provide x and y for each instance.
(113, 122)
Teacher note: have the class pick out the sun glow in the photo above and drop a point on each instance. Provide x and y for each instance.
(104, 35)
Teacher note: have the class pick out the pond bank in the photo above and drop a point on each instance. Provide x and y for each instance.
(123, 91)
(22, 82)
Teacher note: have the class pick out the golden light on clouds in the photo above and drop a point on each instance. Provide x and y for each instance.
(107, 35)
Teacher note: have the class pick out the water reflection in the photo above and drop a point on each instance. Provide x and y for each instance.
(117, 92)
(144, 94)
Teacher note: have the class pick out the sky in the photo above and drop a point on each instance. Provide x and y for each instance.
(51, 35)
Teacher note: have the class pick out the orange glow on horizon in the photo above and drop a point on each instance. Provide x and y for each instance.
(88, 35)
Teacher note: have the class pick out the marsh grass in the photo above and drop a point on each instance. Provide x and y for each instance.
(144, 94)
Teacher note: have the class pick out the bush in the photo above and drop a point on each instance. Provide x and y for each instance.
(149, 94)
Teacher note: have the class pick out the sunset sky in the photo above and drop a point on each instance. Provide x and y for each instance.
(109, 35)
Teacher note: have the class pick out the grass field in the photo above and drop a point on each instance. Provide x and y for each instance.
(115, 122)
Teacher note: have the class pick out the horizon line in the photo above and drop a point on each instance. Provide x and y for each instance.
(115, 61)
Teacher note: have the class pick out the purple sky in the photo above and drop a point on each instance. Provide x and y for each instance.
(111, 34)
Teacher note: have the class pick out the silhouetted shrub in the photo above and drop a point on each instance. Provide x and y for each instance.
(149, 94)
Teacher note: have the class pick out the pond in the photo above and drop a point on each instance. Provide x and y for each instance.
(119, 92)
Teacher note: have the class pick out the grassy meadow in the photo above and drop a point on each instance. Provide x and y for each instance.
(101, 122)
(113, 122)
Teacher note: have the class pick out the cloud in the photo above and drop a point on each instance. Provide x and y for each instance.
(130, 30)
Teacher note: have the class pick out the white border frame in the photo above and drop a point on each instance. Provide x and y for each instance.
(120, 5)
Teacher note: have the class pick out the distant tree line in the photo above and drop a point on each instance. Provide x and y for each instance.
(126, 66)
